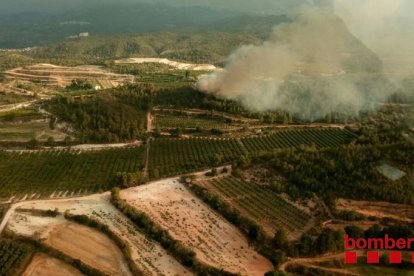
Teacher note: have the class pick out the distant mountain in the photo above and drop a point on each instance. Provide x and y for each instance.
(34, 28)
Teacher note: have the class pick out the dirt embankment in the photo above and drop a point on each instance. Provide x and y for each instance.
(215, 241)
(380, 210)
(43, 265)
(175, 64)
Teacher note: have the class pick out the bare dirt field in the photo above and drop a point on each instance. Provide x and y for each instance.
(175, 64)
(80, 242)
(148, 255)
(43, 265)
(215, 241)
(400, 212)
(90, 246)
(60, 76)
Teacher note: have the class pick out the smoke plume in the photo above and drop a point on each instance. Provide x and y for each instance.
(309, 68)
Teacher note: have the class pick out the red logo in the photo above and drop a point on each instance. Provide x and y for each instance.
(375, 244)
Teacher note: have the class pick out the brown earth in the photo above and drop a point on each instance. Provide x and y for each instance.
(90, 246)
(62, 76)
(43, 265)
(215, 241)
(400, 212)
(148, 255)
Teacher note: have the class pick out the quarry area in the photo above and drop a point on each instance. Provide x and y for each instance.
(62, 76)
(174, 64)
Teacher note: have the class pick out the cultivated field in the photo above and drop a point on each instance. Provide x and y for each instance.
(60, 173)
(178, 156)
(80, 242)
(25, 131)
(190, 122)
(12, 255)
(43, 265)
(260, 204)
(52, 75)
(322, 138)
(90, 246)
(215, 241)
(149, 256)
(400, 212)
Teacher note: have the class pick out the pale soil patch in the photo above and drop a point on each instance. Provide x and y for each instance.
(90, 246)
(377, 209)
(80, 242)
(175, 64)
(391, 172)
(215, 241)
(62, 76)
(148, 255)
(43, 265)
(364, 225)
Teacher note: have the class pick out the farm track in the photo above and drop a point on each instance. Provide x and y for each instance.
(313, 263)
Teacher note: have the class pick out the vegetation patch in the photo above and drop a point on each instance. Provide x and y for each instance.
(64, 172)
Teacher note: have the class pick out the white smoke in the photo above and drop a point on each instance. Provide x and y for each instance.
(311, 67)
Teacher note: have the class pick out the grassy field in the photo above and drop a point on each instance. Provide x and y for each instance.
(178, 156)
(64, 172)
(322, 138)
(260, 204)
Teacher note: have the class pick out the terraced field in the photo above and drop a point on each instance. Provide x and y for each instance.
(172, 121)
(59, 173)
(322, 138)
(259, 204)
(48, 74)
(178, 156)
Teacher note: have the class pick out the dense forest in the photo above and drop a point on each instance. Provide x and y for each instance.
(117, 115)
(349, 172)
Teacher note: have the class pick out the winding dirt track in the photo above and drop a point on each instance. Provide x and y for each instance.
(314, 263)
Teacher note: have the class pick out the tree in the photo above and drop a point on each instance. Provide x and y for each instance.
(33, 144)
(354, 232)
(67, 141)
(50, 141)
(280, 239)
(305, 247)
(155, 173)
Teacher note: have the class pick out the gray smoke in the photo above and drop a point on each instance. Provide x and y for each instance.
(309, 68)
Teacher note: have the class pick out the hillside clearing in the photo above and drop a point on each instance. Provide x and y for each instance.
(175, 64)
(62, 76)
